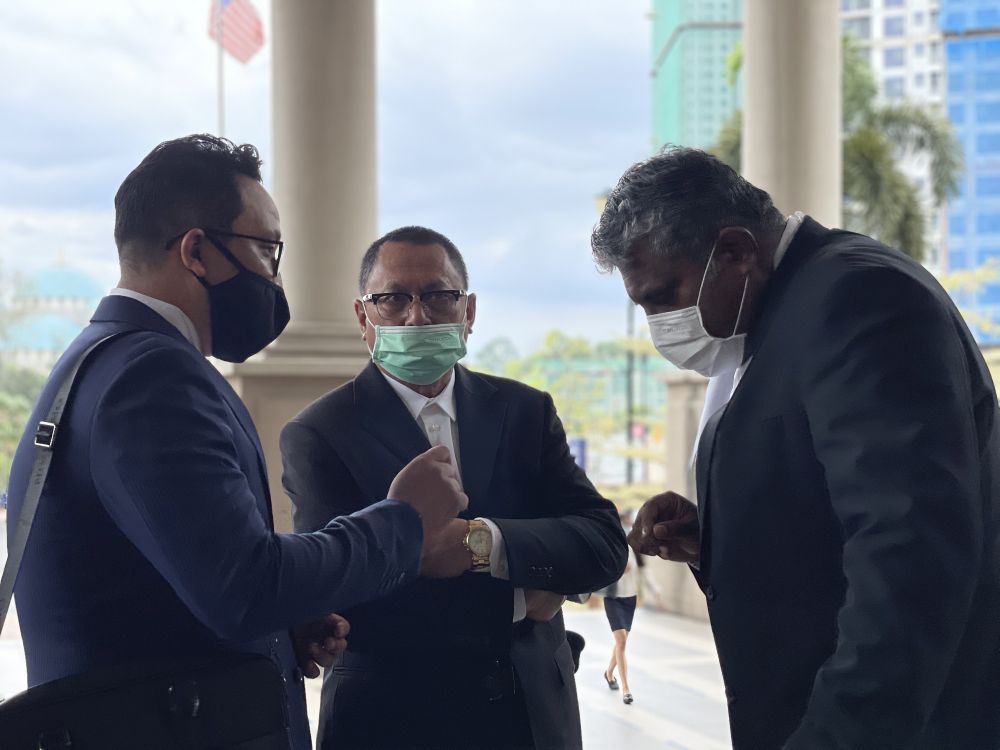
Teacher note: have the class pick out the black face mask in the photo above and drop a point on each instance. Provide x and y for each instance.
(248, 312)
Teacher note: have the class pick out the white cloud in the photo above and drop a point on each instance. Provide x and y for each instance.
(499, 121)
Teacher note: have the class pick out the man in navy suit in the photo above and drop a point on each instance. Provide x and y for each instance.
(847, 532)
(481, 660)
(154, 537)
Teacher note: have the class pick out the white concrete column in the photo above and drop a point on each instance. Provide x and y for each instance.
(324, 165)
(792, 104)
(324, 185)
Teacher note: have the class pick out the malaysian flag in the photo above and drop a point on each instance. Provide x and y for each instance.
(242, 30)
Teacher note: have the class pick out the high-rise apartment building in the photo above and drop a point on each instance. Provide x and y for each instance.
(972, 40)
(692, 98)
(902, 40)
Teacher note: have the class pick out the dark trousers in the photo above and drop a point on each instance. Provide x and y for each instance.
(444, 704)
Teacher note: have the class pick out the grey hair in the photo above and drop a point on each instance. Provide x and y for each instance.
(677, 201)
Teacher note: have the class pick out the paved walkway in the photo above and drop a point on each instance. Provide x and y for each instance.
(673, 671)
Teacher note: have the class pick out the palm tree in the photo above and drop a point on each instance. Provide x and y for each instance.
(879, 200)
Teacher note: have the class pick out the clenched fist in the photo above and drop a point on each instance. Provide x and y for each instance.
(667, 526)
(429, 484)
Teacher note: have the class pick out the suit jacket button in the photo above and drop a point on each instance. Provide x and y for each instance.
(297, 674)
(710, 594)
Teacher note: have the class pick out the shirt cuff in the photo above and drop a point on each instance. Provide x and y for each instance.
(498, 555)
(498, 568)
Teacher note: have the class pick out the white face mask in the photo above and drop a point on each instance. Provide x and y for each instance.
(680, 337)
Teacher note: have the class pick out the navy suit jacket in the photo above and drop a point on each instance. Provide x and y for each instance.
(850, 502)
(153, 538)
(559, 533)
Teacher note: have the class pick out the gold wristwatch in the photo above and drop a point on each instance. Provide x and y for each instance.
(479, 541)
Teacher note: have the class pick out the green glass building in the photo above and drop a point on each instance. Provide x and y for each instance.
(692, 98)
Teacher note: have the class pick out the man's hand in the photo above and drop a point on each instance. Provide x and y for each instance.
(667, 526)
(429, 484)
(542, 606)
(319, 642)
(444, 554)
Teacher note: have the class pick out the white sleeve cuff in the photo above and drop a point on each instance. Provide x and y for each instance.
(498, 568)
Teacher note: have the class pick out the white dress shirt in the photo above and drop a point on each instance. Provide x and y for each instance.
(171, 313)
(721, 387)
(438, 418)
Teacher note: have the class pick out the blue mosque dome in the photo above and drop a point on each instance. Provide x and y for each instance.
(46, 331)
(60, 282)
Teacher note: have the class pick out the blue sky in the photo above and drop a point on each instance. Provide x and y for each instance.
(499, 122)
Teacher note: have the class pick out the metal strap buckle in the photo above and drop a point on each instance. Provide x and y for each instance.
(45, 435)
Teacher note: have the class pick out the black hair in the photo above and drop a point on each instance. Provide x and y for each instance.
(181, 184)
(415, 236)
(677, 201)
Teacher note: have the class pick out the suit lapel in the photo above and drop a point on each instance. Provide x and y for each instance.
(703, 470)
(385, 417)
(480, 424)
(126, 310)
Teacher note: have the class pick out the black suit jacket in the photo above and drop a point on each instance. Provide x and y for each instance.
(342, 452)
(849, 499)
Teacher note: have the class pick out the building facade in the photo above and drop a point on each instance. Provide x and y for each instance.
(972, 40)
(692, 97)
(902, 40)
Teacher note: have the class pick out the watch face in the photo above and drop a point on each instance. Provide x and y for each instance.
(480, 542)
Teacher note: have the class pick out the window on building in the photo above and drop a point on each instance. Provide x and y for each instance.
(918, 49)
(956, 113)
(988, 185)
(988, 143)
(956, 82)
(934, 18)
(919, 80)
(918, 18)
(935, 83)
(894, 57)
(988, 49)
(894, 3)
(935, 51)
(988, 223)
(956, 224)
(988, 112)
(859, 28)
(855, 4)
(987, 81)
(893, 26)
(895, 87)
(987, 18)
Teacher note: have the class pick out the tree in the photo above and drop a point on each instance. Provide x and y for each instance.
(879, 200)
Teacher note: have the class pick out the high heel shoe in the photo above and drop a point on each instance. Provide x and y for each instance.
(612, 682)
(627, 699)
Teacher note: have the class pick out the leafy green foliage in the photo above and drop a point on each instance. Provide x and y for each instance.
(879, 200)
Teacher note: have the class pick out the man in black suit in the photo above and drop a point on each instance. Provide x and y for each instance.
(847, 534)
(481, 661)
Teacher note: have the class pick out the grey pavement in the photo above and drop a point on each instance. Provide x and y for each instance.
(673, 672)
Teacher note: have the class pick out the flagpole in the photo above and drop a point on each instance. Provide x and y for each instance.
(221, 88)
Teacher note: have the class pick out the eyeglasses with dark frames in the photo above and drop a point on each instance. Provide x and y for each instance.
(394, 306)
(276, 248)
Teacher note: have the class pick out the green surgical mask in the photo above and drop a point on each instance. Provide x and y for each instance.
(419, 355)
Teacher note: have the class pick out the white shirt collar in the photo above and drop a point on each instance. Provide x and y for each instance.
(792, 225)
(415, 403)
(171, 313)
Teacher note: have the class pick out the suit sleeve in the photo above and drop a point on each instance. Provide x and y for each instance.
(315, 479)
(577, 545)
(167, 469)
(889, 404)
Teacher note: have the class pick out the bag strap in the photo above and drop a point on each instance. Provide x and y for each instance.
(45, 439)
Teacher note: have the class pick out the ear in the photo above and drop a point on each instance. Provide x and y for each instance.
(737, 247)
(359, 312)
(470, 313)
(191, 248)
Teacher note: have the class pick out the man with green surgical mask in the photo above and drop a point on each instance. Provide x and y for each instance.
(479, 660)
